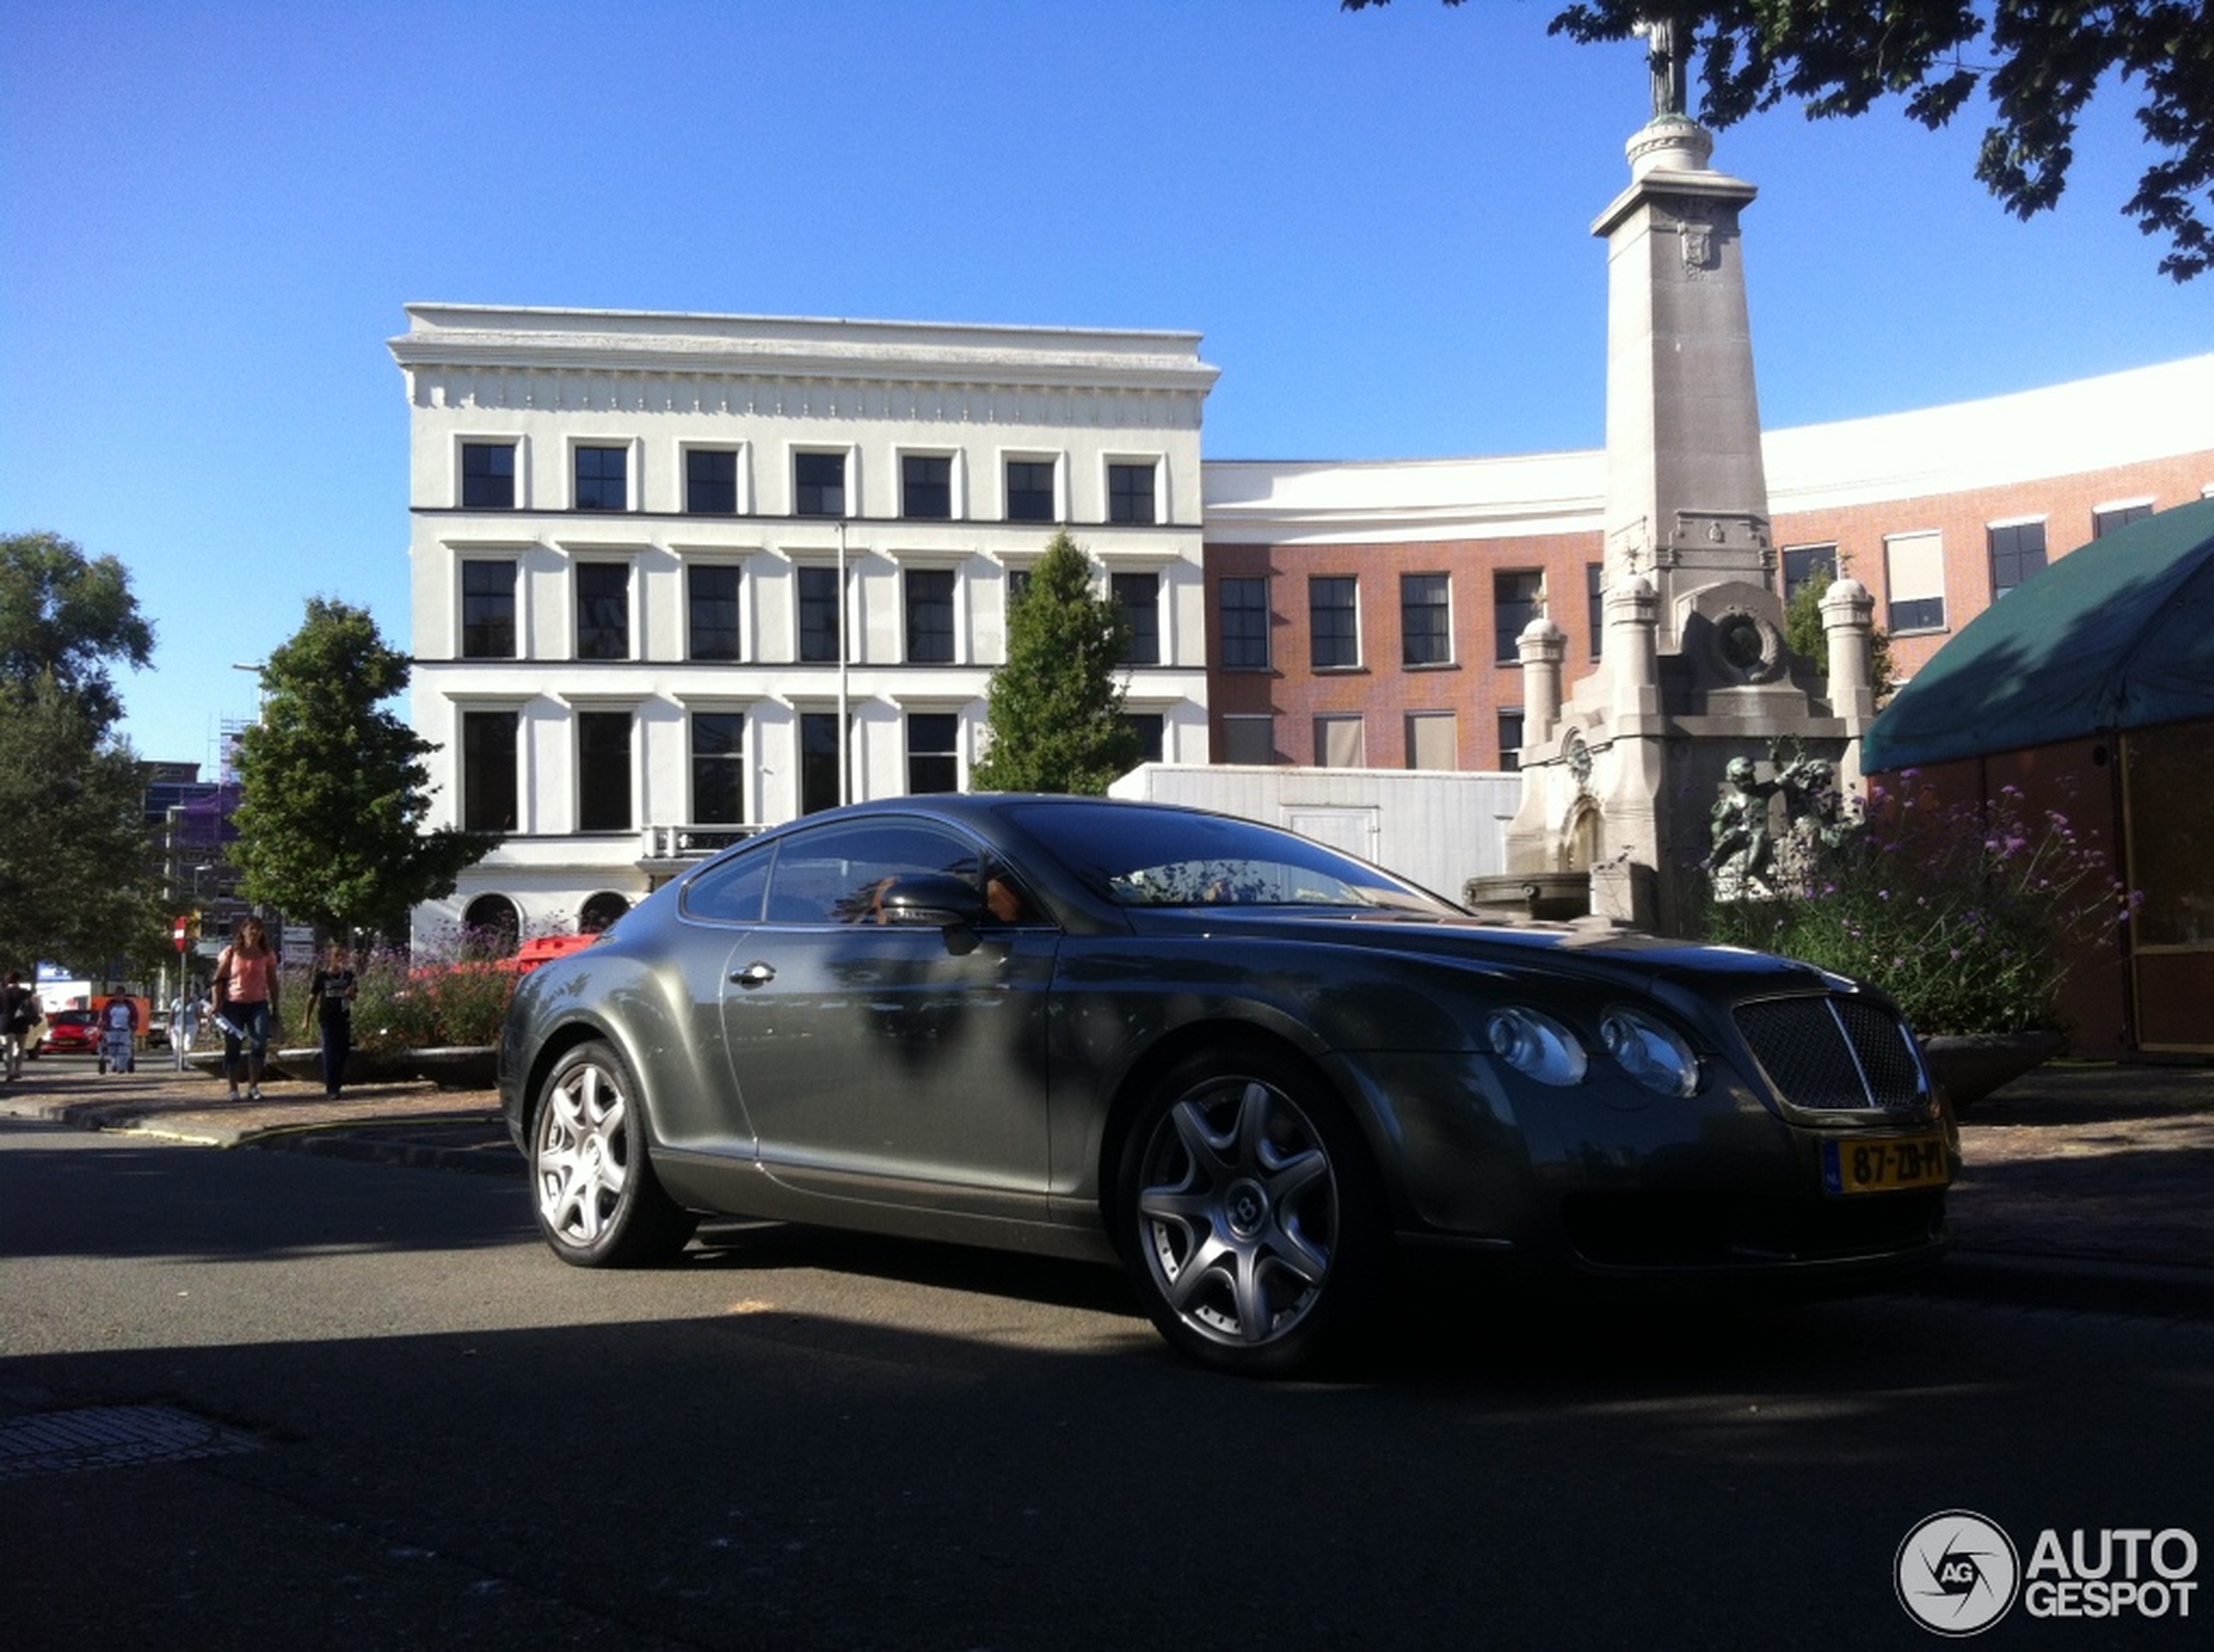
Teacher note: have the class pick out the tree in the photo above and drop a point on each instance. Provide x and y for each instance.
(330, 820)
(2038, 61)
(1057, 705)
(78, 880)
(68, 617)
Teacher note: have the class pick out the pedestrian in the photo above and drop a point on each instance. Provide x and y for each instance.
(331, 990)
(18, 1015)
(118, 1035)
(245, 1005)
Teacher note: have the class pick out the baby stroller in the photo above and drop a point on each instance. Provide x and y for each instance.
(119, 1038)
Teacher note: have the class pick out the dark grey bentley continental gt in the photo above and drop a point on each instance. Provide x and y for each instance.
(1251, 1068)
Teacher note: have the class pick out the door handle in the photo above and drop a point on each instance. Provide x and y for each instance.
(754, 974)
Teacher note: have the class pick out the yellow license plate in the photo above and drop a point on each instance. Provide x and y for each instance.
(1884, 1165)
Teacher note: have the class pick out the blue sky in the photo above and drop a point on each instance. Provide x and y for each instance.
(1380, 221)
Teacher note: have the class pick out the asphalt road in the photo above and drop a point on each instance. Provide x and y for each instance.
(426, 1432)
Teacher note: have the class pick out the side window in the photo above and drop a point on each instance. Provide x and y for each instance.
(731, 891)
(488, 476)
(838, 875)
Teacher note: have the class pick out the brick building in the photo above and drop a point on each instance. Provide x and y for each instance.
(1365, 613)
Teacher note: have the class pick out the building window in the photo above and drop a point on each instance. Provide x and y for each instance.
(718, 768)
(1249, 739)
(1802, 564)
(2105, 521)
(1139, 597)
(711, 610)
(488, 610)
(819, 783)
(602, 479)
(1511, 740)
(1433, 740)
(819, 484)
(1151, 730)
(929, 593)
(711, 481)
(1595, 604)
(1914, 575)
(488, 476)
(493, 923)
(1029, 490)
(1339, 743)
(927, 487)
(489, 783)
(2017, 552)
(1243, 604)
(1129, 493)
(1426, 619)
(600, 911)
(934, 754)
(603, 770)
(603, 610)
(1334, 620)
(1517, 597)
(821, 620)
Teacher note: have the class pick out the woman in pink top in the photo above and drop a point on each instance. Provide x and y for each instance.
(246, 1002)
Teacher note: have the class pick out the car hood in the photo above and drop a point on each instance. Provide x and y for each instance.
(1585, 947)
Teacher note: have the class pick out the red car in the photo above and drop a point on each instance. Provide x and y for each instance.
(70, 1032)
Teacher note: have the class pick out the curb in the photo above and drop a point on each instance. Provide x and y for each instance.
(481, 1157)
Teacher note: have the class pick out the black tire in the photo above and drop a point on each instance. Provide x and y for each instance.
(1249, 1215)
(592, 1186)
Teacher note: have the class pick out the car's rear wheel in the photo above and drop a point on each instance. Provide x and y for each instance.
(1250, 1218)
(598, 1201)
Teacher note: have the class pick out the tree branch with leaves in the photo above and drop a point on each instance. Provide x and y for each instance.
(2037, 63)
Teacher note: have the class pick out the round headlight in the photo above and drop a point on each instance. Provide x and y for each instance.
(1536, 1044)
(1650, 1050)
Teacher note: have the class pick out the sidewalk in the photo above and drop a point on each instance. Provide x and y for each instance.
(412, 1122)
(2087, 1186)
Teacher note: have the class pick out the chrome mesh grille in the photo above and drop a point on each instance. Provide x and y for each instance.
(1832, 1053)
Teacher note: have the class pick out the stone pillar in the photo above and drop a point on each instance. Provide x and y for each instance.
(1632, 652)
(1847, 619)
(1542, 647)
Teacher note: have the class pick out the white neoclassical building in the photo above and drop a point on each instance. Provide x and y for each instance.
(676, 577)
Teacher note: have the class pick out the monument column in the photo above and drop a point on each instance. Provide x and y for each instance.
(1696, 672)
(1686, 494)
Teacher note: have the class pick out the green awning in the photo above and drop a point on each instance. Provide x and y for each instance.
(2118, 635)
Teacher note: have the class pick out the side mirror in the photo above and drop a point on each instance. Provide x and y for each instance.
(942, 902)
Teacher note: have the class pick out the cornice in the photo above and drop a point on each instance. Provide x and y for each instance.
(461, 339)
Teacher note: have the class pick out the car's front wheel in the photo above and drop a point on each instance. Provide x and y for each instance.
(1250, 1217)
(598, 1201)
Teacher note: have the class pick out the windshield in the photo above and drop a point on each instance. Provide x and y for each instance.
(1147, 857)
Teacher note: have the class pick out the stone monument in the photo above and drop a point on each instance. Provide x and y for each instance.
(1627, 775)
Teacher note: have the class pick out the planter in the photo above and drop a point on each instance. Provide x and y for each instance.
(461, 1067)
(458, 1067)
(1970, 1065)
